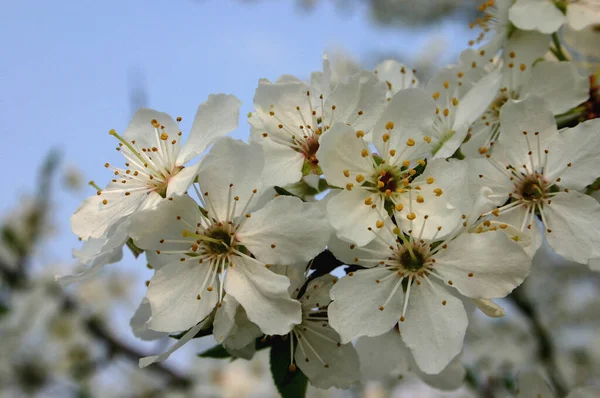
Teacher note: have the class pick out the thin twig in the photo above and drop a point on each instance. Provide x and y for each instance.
(546, 351)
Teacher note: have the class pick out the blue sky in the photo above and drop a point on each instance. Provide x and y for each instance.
(67, 69)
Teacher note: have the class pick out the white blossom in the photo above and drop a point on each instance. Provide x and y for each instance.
(542, 172)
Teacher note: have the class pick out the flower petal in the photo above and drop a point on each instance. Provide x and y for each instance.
(383, 355)
(335, 366)
(540, 15)
(574, 220)
(139, 323)
(486, 265)
(286, 231)
(264, 296)
(358, 100)
(559, 83)
(230, 162)
(434, 326)
(173, 295)
(142, 131)
(216, 117)
(411, 114)
(341, 153)
(580, 147)
(350, 217)
(358, 303)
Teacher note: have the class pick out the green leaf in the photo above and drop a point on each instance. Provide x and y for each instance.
(201, 333)
(217, 351)
(134, 249)
(285, 192)
(289, 384)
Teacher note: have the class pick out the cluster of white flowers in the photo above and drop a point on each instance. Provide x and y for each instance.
(436, 195)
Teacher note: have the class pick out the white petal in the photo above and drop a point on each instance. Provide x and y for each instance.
(216, 117)
(230, 162)
(286, 231)
(283, 165)
(559, 83)
(142, 131)
(167, 222)
(358, 101)
(350, 253)
(139, 323)
(350, 217)
(357, 299)
(434, 326)
(93, 218)
(232, 327)
(445, 209)
(594, 264)
(580, 147)
(540, 15)
(574, 219)
(340, 149)
(527, 47)
(264, 296)
(396, 76)
(157, 358)
(173, 295)
(412, 112)
(476, 100)
(581, 15)
(482, 173)
(449, 379)
(490, 308)
(383, 355)
(531, 115)
(486, 265)
(342, 368)
(97, 252)
(317, 292)
(180, 183)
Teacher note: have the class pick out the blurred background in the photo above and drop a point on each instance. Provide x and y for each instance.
(72, 71)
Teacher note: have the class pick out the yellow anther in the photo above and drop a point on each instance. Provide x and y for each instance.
(427, 139)
(164, 136)
(388, 193)
(346, 173)
(360, 178)
(454, 101)
(406, 163)
(392, 152)
(386, 137)
(360, 134)
(369, 201)
(349, 186)
(379, 224)
(446, 85)
(421, 162)
(411, 216)
(364, 153)
(436, 95)
(483, 150)
(389, 125)
(420, 199)
(523, 67)
(446, 112)
(410, 142)
(438, 192)
(430, 180)
(380, 184)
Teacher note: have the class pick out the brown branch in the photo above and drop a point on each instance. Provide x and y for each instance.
(546, 351)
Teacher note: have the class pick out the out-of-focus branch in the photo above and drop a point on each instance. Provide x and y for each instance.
(18, 278)
(546, 351)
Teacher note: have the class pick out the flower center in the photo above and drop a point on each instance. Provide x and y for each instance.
(531, 189)
(412, 260)
(221, 241)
